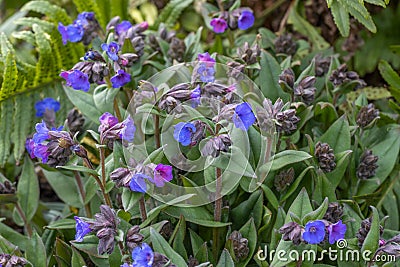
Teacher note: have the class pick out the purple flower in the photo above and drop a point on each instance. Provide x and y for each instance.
(76, 79)
(120, 79)
(128, 132)
(82, 229)
(336, 231)
(73, 32)
(314, 232)
(246, 20)
(107, 121)
(162, 174)
(40, 151)
(47, 103)
(195, 97)
(219, 25)
(183, 132)
(138, 184)
(112, 49)
(83, 18)
(243, 117)
(30, 147)
(205, 57)
(142, 256)
(122, 27)
(42, 133)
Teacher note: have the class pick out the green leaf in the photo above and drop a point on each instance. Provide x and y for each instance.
(342, 161)
(197, 215)
(301, 206)
(391, 77)
(338, 135)
(178, 238)
(103, 98)
(84, 102)
(250, 208)
(13, 236)
(36, 252)
(89, 246)
(28, 190)
(64, 186)
(270, 196)
(61, 224)
(285, 158)
(249, 231)
(359, 12)
(371, 242)
(130, 199)
(162, 246)
(269, 77)
(304, 27)
(294, 186)
(316, 214)
(79, 169)
(77, 259)
(6, 110)
(171, 12)
(225, 260)
(22, 123)
(341, 18)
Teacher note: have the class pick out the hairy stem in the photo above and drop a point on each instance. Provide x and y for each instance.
(23, 217)
(142, 206)
(217, 211)
(106, 197)
(116, 109)
(157, 130)
(82, 192)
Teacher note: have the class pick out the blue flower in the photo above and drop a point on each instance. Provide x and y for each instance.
(314, 232)
(246, 20)
(142, 256)
(112, 50)
(183, 132)
(83, 18)
(219, 25)
(128, 132)
(122, 27)
(47, 103)
(82, 229)
(138, 184)
(206, 73)
(336, 231)
(120, 79)
(76, 79)
(73, 32)
(40, 151)
(42, 133)
(243, 117)
(195, 97)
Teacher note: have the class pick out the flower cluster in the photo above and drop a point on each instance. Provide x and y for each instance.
(242, 18)
(314, 232)
(84, 29)
(136, 178)
(110, 130)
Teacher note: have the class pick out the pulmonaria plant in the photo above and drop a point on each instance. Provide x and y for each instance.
(242, 18)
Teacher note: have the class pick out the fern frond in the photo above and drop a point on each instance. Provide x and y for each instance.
(54, 13)
(171, 12)
(6, 121)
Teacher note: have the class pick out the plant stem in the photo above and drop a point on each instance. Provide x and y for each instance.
(116, 109)
(157, 130)
(82, 192)
(217, 211)
(285, 17)
(23, 217)
(106, 197)
(142, 206)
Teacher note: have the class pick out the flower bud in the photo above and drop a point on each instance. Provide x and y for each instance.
(367, 167)
(240, 245)
(133, 237)
(367, 115)
(325, 157)
(292, 231)
(285, 44)
(284, 179)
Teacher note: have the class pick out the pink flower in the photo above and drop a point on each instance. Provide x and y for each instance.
(162, 174)
(219, 25)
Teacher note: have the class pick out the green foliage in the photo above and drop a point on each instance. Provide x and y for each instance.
(342, 9)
